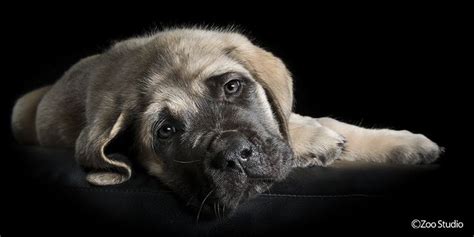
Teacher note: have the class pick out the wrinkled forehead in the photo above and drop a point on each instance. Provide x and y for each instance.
(179, 81)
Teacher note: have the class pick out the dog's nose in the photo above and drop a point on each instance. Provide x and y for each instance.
(232, 151)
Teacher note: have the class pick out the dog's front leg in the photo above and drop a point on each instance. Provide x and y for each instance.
(383, 145)
(322, 141)
(314, 144)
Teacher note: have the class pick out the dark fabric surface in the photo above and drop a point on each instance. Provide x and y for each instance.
(348, 197)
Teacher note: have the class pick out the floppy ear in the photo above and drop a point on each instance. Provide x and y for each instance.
(274, 77)
(103, 169)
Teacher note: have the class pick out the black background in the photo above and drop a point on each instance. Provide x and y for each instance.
(402, 67)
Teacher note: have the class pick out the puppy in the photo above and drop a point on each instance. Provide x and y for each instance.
(206, 111)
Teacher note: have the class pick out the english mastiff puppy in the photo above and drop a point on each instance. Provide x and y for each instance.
(206, 111)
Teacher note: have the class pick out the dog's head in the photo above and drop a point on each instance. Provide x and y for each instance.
(209, 111)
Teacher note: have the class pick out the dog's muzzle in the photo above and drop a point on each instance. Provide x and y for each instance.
(233, 152)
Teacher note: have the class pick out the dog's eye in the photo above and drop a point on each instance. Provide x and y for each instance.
(166, 131)
(232, 86)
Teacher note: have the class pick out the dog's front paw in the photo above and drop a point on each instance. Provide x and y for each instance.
(415, 149)
(321, 149)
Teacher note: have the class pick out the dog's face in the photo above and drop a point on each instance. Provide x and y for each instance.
(208, 127)
(208, 109)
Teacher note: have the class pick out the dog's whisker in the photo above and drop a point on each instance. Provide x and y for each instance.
(186, 162)
(202, 205)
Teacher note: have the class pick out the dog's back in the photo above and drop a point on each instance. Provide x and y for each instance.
(51, 115)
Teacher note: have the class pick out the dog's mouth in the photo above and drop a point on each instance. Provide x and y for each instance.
(228, 190)
(223, 197)
(235, 168)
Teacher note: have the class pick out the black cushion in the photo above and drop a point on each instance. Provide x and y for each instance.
(343, 197)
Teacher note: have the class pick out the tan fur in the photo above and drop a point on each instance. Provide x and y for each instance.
(325, 140)
(383, 145)
(98, 98)
(273, 75)
(313, 143)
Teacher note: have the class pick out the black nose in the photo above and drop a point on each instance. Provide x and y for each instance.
(232, 151)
